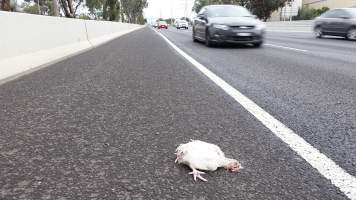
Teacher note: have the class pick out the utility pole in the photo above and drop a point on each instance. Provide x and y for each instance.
(55, 8)
(284, 13)
(172, 4)
(185, 9)
(291, 10)
(38, 7)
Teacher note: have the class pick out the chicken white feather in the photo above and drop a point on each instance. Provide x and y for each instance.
(204, 156)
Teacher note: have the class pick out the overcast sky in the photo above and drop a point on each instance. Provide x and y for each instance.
(168, 9)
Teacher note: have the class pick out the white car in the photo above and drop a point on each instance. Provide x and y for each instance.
(181, 24)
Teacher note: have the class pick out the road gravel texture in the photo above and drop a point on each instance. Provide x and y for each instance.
(105, 124)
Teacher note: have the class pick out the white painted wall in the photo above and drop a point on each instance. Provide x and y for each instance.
(23, 33)
(100, 31)
(28, 41)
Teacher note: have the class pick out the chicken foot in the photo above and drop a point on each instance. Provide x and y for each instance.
(197, 174)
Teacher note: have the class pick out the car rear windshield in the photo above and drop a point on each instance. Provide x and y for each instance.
(228, 11)
(352, 11)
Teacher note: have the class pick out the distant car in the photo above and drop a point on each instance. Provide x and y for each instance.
(162, 24)
(337, 22)
(155, 25)
(228, 23)
(181, 24)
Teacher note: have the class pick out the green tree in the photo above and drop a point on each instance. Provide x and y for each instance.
(141, 20)
(70, 7)
(111, 10)
(6, 5)
(95, 6)
(42, 7)
(264, 8)
(128, 10)
(186, 19)
(46, 7)
(198, 4)
(30, 8)
(84, 16)
(133, 9)
(306, 13)
(170, 20)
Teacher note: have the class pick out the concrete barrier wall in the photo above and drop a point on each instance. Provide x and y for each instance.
(28, 41)
(100, 31)
(298, 26)
(22, 33)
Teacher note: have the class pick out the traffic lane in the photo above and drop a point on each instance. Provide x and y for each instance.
(301, 40)
(309, 38)
(328, 47)
(314, 97)
(336, 48)
(105, 124)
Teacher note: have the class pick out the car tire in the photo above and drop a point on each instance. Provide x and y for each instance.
(351, 34)
(318, 32)
(193, 36)
(208, 42)
(257, 44)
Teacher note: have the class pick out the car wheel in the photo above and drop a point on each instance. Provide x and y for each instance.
(351, 34)
(193, 35)
(318, 32)
(257, 44)
(208, 42)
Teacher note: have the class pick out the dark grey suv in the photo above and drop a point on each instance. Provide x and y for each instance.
(337, 22)
(227, 23)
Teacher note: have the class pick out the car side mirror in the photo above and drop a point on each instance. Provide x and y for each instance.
(202, 16)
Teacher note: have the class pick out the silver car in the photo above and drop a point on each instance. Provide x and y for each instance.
(181, 24)
(337, 22)
(228, 24)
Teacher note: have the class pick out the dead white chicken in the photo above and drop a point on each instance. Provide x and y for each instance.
(204, 156)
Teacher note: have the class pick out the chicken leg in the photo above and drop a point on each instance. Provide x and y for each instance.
(197, 174)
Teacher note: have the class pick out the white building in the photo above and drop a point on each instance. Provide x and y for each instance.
(288, 11)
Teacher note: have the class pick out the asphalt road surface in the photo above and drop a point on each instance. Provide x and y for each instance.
(309, 84)
(105, 124)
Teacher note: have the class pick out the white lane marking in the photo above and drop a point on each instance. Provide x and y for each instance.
(326, 167)
(284, 47)
(286, 31)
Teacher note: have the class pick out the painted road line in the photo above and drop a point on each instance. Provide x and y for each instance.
(326, 167)
(291, 31)
(284, 47)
